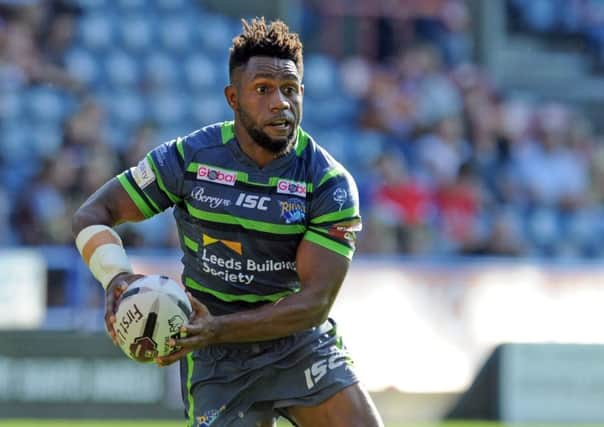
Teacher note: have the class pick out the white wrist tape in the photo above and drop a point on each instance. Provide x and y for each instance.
(103, 252)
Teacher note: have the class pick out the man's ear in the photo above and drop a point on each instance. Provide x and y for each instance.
(230, 93)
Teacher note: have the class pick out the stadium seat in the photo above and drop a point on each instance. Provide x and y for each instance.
(122, 69)
(215, 34)
(168, 108)
(11, 105)
(161, 70)
(133, 4)
(200, 71)
(320, 76)
(96, 31)
(174, 33)
(85, 66)
(209, 108)
(136, 33)
(127, 108)
(45, 104)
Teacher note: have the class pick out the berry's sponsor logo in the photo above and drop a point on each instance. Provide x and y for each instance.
(285, 186)
(217, 175)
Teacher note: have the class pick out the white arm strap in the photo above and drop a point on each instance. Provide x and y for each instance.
(103, 252)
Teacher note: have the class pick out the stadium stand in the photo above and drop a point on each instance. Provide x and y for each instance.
(447, 162)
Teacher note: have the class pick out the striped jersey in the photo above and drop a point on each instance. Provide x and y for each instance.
(240, 225)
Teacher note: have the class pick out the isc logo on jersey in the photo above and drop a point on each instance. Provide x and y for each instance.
(217, 175)
(285, 186)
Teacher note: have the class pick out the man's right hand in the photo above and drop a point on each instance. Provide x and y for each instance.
(116, 288)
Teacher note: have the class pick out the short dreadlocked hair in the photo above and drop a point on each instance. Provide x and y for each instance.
(261, 39)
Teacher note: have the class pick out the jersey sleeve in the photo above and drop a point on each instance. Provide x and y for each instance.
(155, 184)
(334, 213)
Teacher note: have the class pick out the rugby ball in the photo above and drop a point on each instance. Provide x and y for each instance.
(149, 313)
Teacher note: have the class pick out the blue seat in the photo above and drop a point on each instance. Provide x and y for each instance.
(125, 107)
(11, 105)
(200, 71)
(44, 104)
(161, 70)
(84, 65)
(121, 69)
(215, 33)
(320, 76)
(95, 31)
(209, 107)
(168, 108)
(174, 33)
(136, 32)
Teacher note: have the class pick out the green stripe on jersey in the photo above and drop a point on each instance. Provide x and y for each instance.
(302, 142)
(249, 224)
(160, 182)
(335, 171)
(336, 247)
(227, 131)
(336, 216)
(191, 408)
(140, 203)
(235, 297)
(190, 243)
(180, 148)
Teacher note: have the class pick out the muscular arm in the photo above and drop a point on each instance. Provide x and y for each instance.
(321, 274)
(109, 205)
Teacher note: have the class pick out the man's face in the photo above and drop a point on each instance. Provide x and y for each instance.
(269, 101)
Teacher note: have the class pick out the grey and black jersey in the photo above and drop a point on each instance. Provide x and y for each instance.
(240, 225)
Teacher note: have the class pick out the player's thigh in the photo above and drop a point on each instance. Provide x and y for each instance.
(351, 406)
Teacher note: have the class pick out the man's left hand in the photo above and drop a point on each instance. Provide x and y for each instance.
(195, 334)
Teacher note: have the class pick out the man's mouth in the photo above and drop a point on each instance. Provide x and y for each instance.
(279, 124)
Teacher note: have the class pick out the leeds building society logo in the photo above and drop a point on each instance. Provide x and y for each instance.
(293, 211)
(217, 175)
(285, 186)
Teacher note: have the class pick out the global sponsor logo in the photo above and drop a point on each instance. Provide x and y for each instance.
(217, 175)
(143, 174)
(340, 196)
(293, 211)
(213, 202)
(295, 188)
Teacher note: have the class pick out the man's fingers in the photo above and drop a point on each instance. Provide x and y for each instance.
(168, 360)
(189, 343)
(197, 306)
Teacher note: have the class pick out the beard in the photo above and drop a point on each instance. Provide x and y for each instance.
(274, 145)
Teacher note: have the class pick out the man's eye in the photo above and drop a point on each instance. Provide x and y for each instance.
(290, 90)
(261, 90)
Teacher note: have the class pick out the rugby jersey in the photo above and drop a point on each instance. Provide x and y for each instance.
(239, 224)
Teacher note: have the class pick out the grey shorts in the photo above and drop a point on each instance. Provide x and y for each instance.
(242, 384)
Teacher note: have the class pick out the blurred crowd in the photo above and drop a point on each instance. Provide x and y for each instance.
(453, 164)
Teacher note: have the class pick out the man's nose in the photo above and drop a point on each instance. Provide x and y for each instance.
(279, 101)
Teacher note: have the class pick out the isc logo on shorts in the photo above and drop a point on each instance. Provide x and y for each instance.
(285, 186)
(217, 175)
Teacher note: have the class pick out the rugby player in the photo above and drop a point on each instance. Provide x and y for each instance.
(267, 222)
